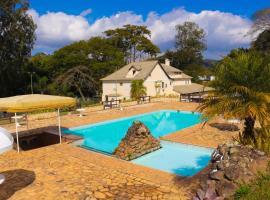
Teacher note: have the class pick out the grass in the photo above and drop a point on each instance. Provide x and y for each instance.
(258, 189)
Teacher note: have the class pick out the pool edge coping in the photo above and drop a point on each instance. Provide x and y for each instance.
(124, 118)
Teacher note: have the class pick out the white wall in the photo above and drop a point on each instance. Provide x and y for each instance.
(158, 75)
(182, 82)
(123, 87)
(110, 88)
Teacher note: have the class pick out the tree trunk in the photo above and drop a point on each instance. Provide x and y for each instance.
(248, 132)
(81, 93)
(130, 56)
(134, 53)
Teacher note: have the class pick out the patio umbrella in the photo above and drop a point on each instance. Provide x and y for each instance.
(6, 143)
(34, 102)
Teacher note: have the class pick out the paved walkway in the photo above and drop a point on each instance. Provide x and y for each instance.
(68, 172)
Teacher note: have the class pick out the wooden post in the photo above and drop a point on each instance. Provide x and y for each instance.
(17, 134)
(59, 125)
(27, 124)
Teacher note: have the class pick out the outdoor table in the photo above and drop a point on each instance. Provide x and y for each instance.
(80, 110)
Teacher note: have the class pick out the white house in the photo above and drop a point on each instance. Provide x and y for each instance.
(159, 79)
(206, 78)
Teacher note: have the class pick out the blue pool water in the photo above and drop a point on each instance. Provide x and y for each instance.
(107, 135)
(176, 158)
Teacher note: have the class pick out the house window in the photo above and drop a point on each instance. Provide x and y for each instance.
(170, 82)
(162, 85)
(121, 84)
(133, 72)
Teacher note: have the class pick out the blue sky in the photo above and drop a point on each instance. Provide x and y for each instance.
(106, 8)
(54, 17)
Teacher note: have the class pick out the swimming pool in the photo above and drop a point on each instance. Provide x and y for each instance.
(107, 135)
(176, 158)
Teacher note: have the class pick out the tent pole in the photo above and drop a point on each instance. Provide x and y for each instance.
(27, 121)
(17, 135)
(59, 125)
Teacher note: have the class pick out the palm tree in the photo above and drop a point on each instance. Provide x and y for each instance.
(242, 87)
(80, 78)
(137, 89)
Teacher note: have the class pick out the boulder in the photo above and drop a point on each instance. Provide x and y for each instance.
(137, 142)
(232, 173)
(217, 175)
(226, 188)
(231, 164)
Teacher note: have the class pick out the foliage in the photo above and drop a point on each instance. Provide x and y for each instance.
(258, 189)
(261, 141)
(37, 65)
(96, 54)
(242, 88)
(134, 41)
(261, 20)
(16, 41)
(262, 43)
(195, 70)
(190, 44)
(41, 85)
(137, 89)
(80, 79)
(190, 38)
(242, 191)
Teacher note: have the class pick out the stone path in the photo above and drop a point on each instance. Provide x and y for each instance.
(206, 136)
(53, 173)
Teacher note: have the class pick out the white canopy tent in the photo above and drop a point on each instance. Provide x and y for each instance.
(34, 102)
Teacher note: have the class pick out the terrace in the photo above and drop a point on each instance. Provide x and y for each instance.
(66, 171)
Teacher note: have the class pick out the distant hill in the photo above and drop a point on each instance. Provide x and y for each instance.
(210, 63)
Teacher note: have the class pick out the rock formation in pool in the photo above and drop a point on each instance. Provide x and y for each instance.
(137, 142)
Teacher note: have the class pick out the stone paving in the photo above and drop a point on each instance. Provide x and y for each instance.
(69, 172)
(55, 173)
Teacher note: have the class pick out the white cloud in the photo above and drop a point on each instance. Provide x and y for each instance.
(225, 31)
(86, 12)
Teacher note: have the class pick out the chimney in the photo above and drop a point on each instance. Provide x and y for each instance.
(167, 62)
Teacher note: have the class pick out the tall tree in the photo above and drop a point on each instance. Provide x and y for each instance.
(190, 42)
(262, 43)
(38, 66)
(79, 78)
(242, 90)
(16, 41)
(261, 21)
(133, 41)
(97, 53)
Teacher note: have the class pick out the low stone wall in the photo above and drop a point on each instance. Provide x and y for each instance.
(231, 165)
(137, 142)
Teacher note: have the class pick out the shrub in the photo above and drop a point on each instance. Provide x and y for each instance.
(258, 189)
(261, 140)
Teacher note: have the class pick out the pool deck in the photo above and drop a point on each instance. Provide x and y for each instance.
(69, 172)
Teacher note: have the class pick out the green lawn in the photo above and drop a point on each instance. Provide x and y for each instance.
(258, 189)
